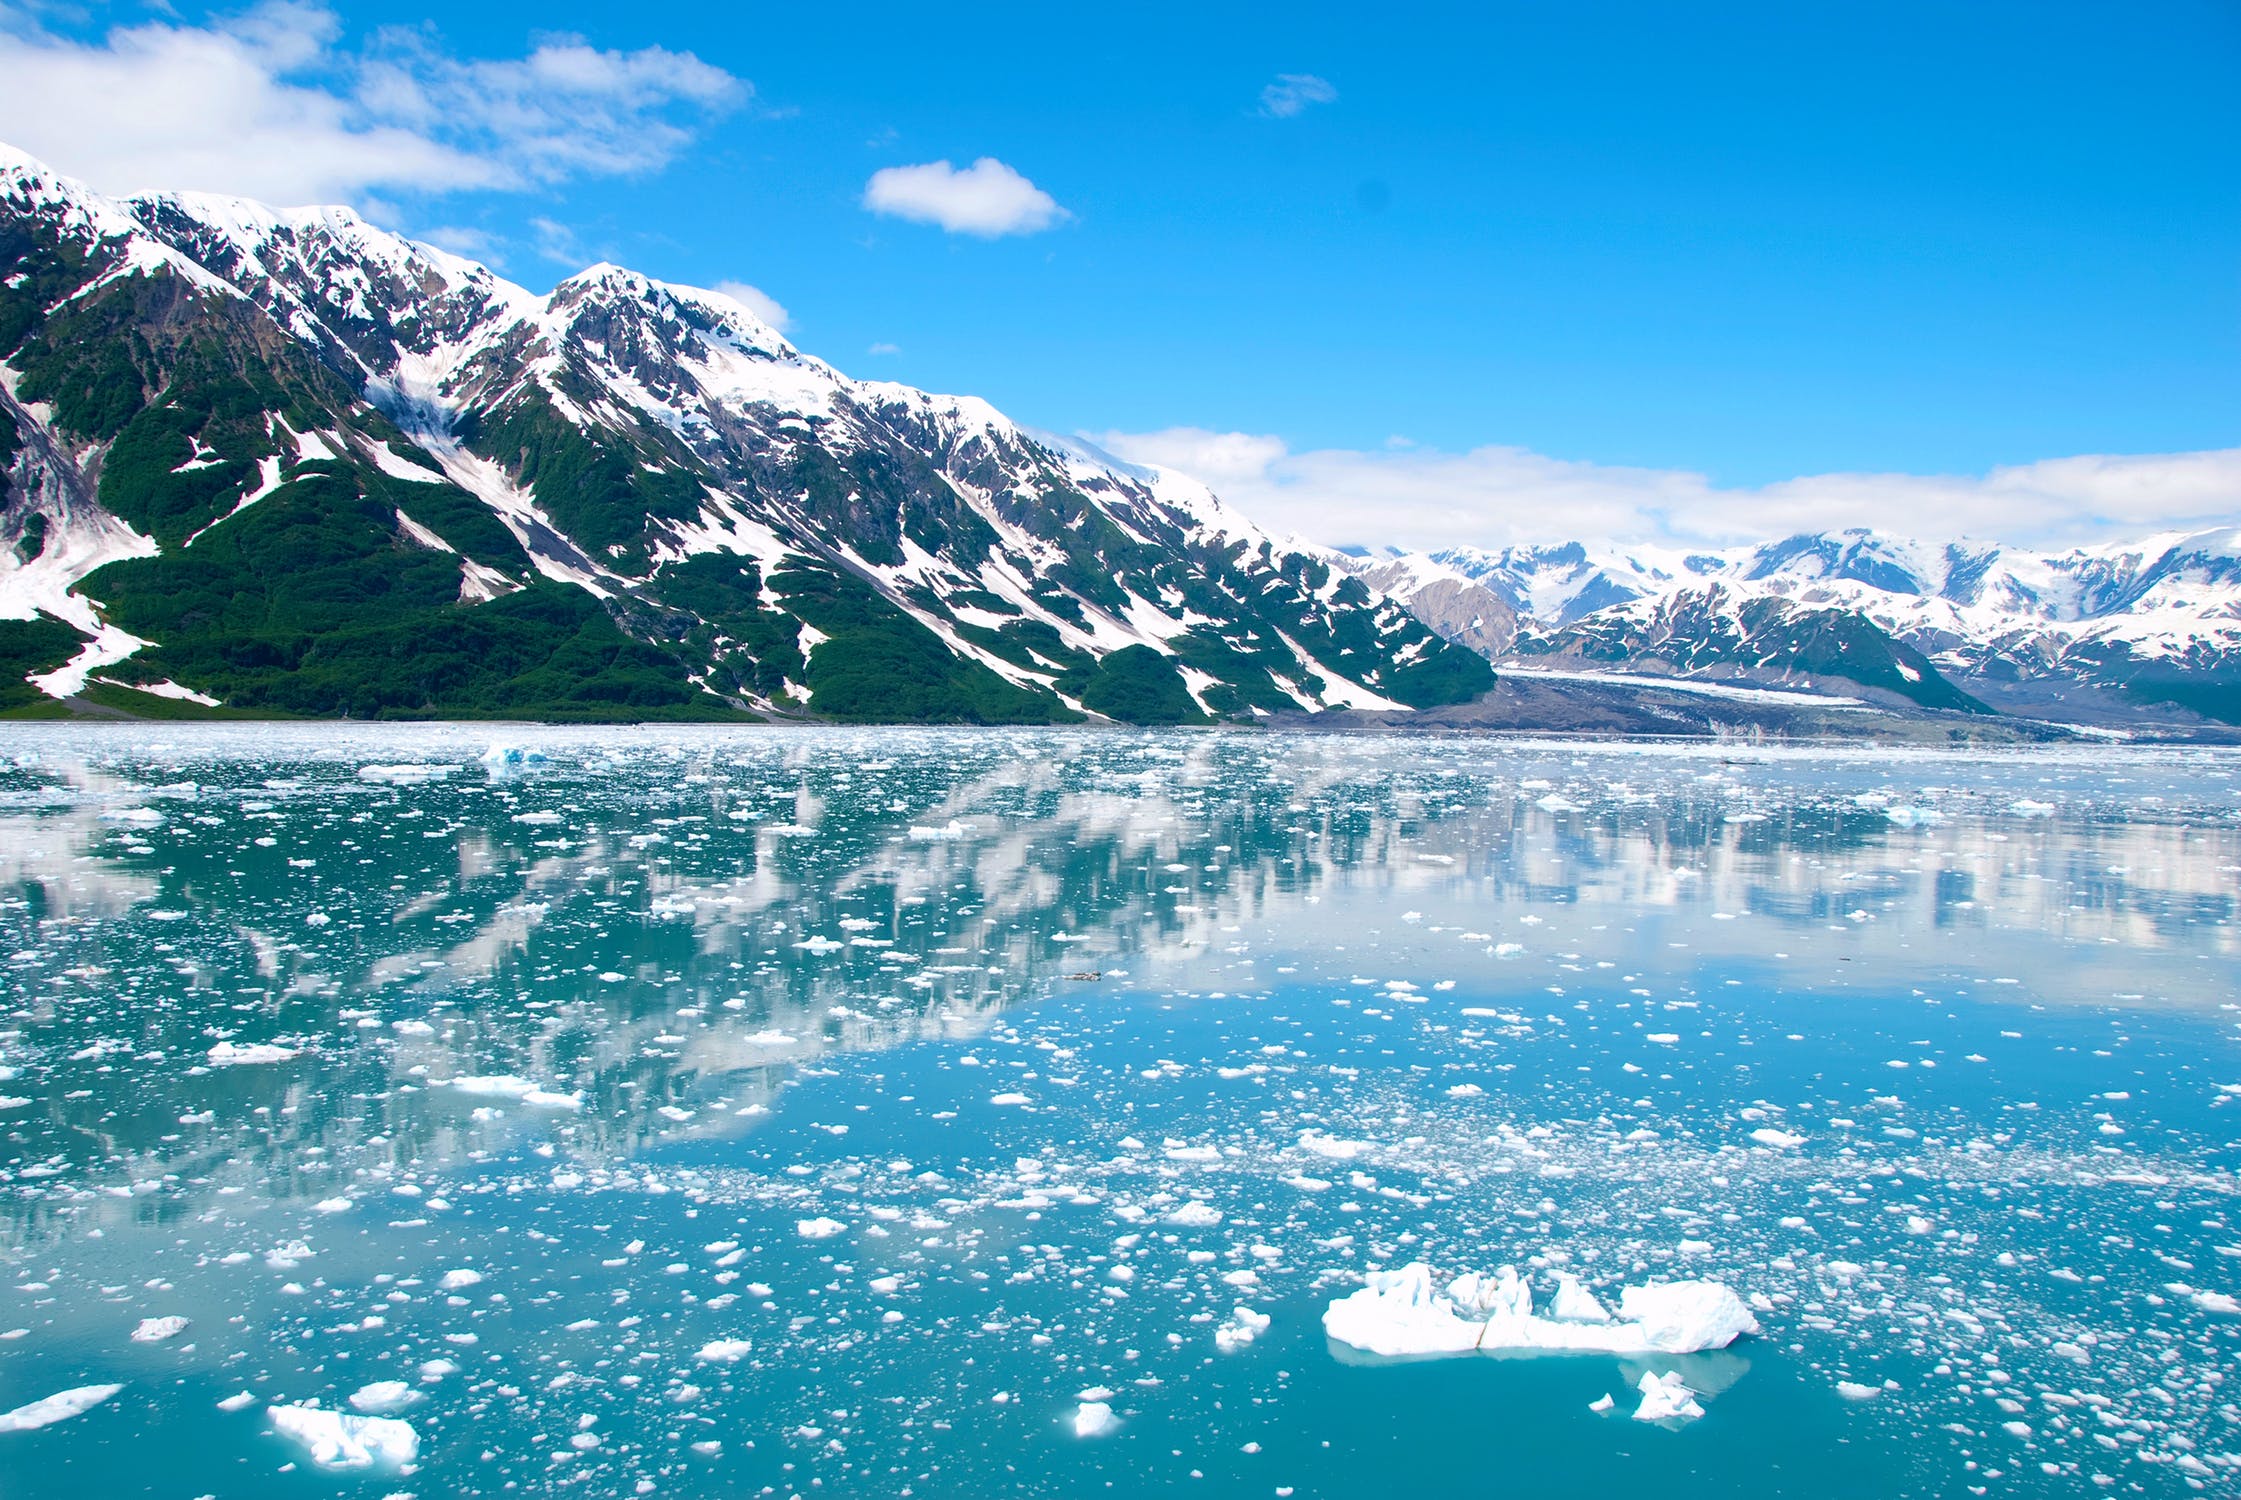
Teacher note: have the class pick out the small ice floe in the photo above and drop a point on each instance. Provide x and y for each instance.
(1401, 1313)
(1852, 1390)
(460, 1278)
(1331, 1146)
(1779, 1140)
(724, 1351)
(507, 1086)
(1094, 1417)
(238, 1401)
(1666, 1398)
(1914, 817)
(156, 1330)
(1244, 1326)
(59, 1407)
(945, 833)
(338, 1440)
(228, 1055)
(384, 1397)
(2217, 1302)
(1196, 1215)
(1602, 1403)
(819, 1228)
(404, 775)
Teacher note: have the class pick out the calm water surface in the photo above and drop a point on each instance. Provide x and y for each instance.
(741, 1113)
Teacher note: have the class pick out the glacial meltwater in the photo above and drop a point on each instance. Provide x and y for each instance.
(436, 1111)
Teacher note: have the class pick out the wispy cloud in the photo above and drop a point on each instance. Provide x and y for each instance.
(885, 348)
(759, 302)
(986, 199)
(1419, 497)
(557, 242)
(271, 104)
(1293, 92)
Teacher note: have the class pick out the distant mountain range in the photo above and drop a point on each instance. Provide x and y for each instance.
(281, 461)
(268, 461)
(2109, 633)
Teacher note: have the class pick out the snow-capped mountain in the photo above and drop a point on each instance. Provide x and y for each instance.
(2088, 631)
(284, 460)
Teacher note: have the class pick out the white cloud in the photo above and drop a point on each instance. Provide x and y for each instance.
(555, 241)
(269, 104)
(1293, 92)
(759, 302)
(986, 198)
(1493, 496)
(462, 239)
(885, 348)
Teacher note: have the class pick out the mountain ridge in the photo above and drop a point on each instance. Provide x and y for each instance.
(627, 476)
(2096, 632)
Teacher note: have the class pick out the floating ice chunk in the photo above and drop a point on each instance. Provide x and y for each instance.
(462, 1277)
(59, 1407)
(1780, 1140)
(1914, 817)
(1603, 1402)
(1196, 1215)
(1331, 1146)
(501, 758)
(724, 1351)
(156, 1330)
(227, 1055)
(819, 1228)
(1852, 1390)
(338, 1440)
(383, 1397)
(1666, 1398)
(1400, 1312)
(1244, 1326)
(507, 1086)
(403, 775)
(945, 833)
(1094, 1419)
(237, 1401)
(1014, 1098)
(2217, 1302)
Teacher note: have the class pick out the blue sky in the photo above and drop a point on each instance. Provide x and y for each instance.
(1739, 243)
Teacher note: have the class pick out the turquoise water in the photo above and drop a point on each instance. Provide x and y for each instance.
(839, 1107)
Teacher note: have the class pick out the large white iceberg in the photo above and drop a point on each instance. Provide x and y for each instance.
(338, 1440)
(1400, 1312)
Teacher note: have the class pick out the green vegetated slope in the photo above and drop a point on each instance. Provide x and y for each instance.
(231, 384)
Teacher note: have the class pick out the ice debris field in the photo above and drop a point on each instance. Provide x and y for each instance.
(391, 1112)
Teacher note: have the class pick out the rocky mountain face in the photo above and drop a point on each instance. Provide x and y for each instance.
(2107, 632)
(281, 460)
